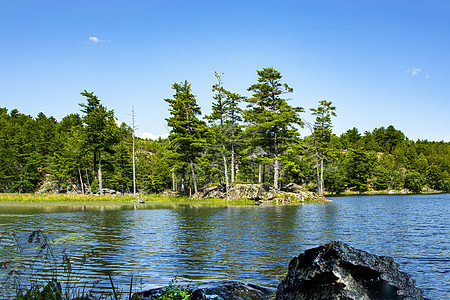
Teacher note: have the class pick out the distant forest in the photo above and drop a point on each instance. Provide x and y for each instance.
(245, 140)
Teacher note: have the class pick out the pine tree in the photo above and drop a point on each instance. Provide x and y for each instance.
(322, 136)
(271, 115)
(187, 133)
(226, 115)
(100, 131)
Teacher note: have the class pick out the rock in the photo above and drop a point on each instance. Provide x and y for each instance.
(338, 271)
(108, 192)
(261, 192)
(218, 290)
(214, 192)
(293, 188)
(250, 191)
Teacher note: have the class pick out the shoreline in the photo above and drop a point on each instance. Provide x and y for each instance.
(93, 200)
(8, 199)
(383, 193)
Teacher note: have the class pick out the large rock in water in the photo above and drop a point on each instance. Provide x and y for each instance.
(332, 271)
(338, 271)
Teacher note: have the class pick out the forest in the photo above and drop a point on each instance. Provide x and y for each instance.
(244, 140)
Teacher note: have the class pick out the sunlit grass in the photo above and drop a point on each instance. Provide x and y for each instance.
(15, 197)
(148, 199)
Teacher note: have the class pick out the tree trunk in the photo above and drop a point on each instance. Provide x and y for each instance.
(318, 175)
(321, 176)
(276, 170)
(183, 180)
(173, 182)
(259, 173)
(89, 184)
(81, 180)
(263, 173)
(253, 168)
(275, 165)
(134, 167)
(194, 180)
(227, 185)
(100, 182)
(232, 162)
(134, 156)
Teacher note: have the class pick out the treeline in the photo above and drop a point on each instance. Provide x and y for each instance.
(252, 139)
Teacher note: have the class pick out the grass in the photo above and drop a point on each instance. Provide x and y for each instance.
(46, 275)
(78, 199)
(105, 199)
(16, 197)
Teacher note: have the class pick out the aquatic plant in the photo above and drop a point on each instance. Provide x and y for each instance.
(174, 292)
(41, 275)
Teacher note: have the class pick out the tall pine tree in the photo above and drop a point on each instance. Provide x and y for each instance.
(322, 136)
(100, 131)
(271, 115)
(187, 130)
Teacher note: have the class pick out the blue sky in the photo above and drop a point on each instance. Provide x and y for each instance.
(380, 62)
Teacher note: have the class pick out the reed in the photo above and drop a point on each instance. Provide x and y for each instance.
(43, 275)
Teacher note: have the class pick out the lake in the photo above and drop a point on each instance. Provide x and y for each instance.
(156, 243)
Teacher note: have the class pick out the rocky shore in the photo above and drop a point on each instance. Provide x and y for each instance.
(332, 271)
(262, 192)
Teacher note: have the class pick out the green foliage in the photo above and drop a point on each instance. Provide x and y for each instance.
(258, 143)
(271, 119)
(414, 181)
(322, 136)
(360, 165)
(174, 292)
(187, 134)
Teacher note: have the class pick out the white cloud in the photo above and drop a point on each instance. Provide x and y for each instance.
(427, 76)
(413, 71)
(94, 39)
(151, 136)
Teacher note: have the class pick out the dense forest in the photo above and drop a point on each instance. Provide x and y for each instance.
(244, 139)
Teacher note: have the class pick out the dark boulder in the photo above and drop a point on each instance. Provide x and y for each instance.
(338, 271)
(219, 290)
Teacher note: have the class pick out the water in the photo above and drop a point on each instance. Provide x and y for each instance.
(248, 243)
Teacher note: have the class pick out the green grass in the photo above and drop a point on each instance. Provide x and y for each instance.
(74, 199)
(15, 197)
(151, 198)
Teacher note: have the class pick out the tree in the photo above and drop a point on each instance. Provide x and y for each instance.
(218, 115)
(100, 131)
(350, 138)
(233, 124)
(359, 168)
(271, 115)
(187, 131)
(322, 136)
(414, 181)
(226, 114)
(69, 159)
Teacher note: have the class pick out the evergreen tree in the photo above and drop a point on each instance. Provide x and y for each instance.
(234, 127)
(187, 130)
(100, 131)
(271, 115)
(359, 167)
(322, 136)
(218, 116)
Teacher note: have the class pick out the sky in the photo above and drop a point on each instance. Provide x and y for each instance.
(381, 62)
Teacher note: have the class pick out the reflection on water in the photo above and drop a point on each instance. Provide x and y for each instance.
(254, 244)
